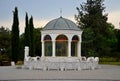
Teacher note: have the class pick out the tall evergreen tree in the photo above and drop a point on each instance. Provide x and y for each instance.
(95, 27)
(31, 37)
(90, 14)
(27, 32)
(37, 38)
(15, 36)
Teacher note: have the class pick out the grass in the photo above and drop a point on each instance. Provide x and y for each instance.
(111, 63)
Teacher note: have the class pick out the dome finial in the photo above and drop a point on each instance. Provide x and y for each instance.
(60, 12)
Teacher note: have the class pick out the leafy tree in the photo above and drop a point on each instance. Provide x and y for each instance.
(15, 36)
(87, 43)
(117, 47)
(97, 33)
(4, 38)
(4, 41)
(31, 26)
(117, 32)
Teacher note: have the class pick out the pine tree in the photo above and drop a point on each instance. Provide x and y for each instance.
(15, 36)
(90, 14)
(96, 30)
(31, 26)
(27, 32)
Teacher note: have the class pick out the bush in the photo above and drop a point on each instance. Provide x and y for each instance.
(4, 58)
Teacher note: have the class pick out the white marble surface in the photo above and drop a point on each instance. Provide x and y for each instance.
(61, 63)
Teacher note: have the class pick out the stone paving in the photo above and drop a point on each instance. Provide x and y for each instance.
(61, 80)
(105, 73)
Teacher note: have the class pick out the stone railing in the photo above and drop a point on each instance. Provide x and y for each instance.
(64, 64)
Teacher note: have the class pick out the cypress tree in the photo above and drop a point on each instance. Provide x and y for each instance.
(15, 36)
(31, 26)
(27, 32)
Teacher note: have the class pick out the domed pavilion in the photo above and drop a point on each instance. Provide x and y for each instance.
(61, 48)
(61, 38)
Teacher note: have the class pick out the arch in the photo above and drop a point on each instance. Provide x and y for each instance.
(74, 45)
(61, 38)
(75, 38)
(47, 38)
(61, 45)
(48, 45)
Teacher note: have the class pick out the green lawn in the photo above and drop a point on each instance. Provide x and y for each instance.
(111, 63)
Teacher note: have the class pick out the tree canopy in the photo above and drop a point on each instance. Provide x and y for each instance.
(4, 40)
(98, 35)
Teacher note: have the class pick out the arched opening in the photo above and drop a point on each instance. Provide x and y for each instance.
(61, 45)
(48, 45)
(74, 45)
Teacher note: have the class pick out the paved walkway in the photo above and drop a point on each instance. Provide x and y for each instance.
(106, 72)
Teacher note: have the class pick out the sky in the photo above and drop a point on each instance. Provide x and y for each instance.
(44, 11)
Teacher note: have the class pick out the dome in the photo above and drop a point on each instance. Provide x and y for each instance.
(61, 24)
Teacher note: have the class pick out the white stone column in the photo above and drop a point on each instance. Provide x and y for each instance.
(79, 49)
(53, 48)
(69, 48)
(26, 52)
(43, 49)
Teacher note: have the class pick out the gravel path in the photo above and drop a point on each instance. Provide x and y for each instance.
(106, 72)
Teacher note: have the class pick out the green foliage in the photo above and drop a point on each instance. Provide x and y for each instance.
(98, 35)
(37, 37)
(4, 41)
(37, 44)
(15, 36)
(4, 58)
(87, 44)
(22, 45)
(27, 32)
(32, 50)
(29, 35)
(110, 63)
(117, 33)
(109, 59)
(90, 13)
